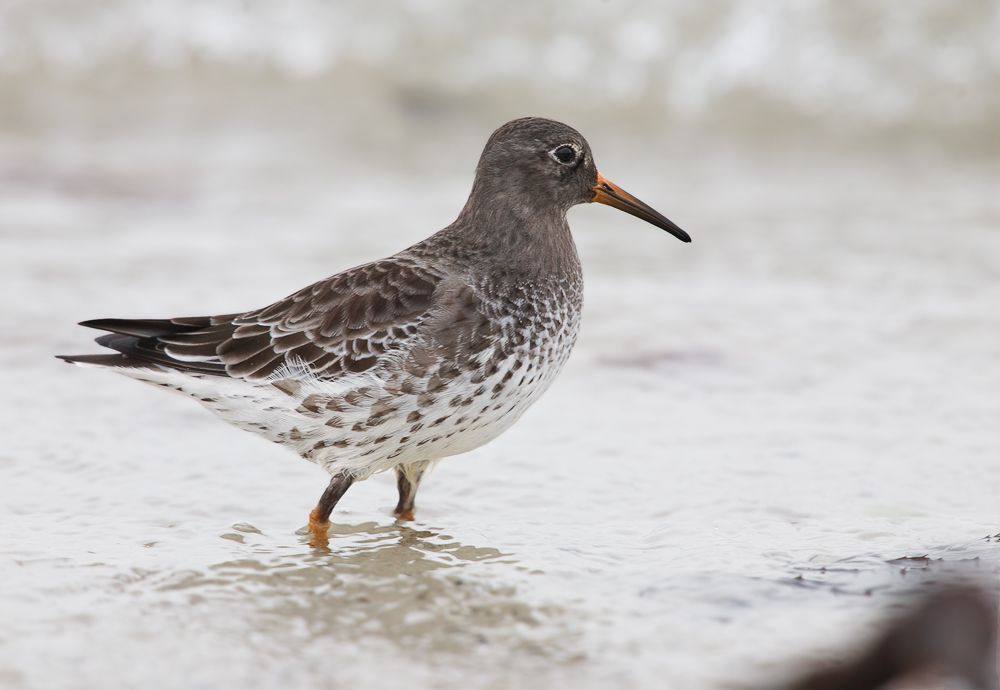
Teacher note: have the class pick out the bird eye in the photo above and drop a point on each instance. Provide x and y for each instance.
(564, 153)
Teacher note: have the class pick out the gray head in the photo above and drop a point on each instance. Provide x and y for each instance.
(537, 167)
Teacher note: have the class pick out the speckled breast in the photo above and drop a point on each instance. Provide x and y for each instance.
(439, 399)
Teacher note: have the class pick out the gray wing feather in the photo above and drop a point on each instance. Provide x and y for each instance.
(341, 324)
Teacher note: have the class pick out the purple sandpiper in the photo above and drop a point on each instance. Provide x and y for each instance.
(400, 362)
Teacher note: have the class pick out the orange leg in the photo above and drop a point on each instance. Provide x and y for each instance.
(319, 518)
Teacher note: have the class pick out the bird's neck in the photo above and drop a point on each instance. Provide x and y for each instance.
(527, 243)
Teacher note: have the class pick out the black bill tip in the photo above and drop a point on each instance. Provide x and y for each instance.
(605, 192)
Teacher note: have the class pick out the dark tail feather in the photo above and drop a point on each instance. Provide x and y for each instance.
(104, 360)
(137, 342)
(148, 328)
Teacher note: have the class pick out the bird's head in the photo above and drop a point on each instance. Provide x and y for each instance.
(533, 165)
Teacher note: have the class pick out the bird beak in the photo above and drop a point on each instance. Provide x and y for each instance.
(613, 195)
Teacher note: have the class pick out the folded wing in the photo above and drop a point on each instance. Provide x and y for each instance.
(342, 324)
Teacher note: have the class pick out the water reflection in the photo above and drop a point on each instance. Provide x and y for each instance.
(397, 549)
(411, 587)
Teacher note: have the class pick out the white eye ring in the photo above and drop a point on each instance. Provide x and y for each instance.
(565, 154)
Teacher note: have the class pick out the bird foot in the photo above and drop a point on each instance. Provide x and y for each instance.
(404, 515)
(318, 528)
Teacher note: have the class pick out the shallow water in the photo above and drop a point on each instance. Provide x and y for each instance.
(763, 440)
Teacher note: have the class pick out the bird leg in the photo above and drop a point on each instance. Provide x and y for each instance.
(319, 518)
(407, 480)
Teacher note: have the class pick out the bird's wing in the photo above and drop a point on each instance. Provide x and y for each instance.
(341, 324)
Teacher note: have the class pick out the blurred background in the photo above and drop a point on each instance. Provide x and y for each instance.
(764, 442)
(863, 72)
